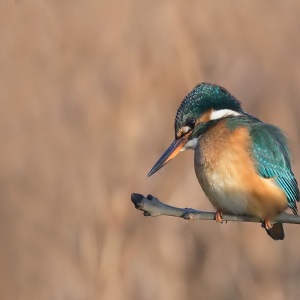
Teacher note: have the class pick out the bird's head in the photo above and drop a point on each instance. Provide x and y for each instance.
(201, 108)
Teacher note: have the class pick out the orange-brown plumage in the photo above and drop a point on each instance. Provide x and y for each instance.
(226, 171)
(242, 164)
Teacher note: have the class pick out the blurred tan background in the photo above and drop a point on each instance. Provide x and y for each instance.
(89, 91)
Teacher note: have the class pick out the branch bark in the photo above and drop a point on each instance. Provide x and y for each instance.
(151, 206)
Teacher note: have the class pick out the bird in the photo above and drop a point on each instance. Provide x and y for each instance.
(242, 163)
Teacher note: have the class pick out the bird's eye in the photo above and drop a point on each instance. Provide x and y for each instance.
(191, 123)
(188, 127)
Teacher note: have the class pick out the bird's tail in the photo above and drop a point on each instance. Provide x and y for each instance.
(276, 232)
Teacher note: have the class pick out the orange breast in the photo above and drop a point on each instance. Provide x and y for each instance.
(226, 171)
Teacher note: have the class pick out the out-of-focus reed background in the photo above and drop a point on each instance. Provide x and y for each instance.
(89, 91)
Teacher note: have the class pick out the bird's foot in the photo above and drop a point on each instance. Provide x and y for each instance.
(267, 224)
(219, 216)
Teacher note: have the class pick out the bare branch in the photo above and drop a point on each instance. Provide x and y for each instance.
(151, 206)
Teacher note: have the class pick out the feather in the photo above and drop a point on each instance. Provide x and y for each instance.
(272, 156)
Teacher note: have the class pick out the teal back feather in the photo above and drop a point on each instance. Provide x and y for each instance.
(270, 149)
(272, 155)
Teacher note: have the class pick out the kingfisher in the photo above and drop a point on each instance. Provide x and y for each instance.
(242, 164)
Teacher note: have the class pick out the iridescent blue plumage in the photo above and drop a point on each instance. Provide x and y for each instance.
(203, 97)
(271, 152)
(242, 164)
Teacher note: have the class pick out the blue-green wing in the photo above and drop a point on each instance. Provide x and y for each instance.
(271, 152)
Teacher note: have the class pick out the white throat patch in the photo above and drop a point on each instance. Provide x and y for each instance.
(191, 144)
(222, 113)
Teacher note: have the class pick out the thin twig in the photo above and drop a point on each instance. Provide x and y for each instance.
(151, 206)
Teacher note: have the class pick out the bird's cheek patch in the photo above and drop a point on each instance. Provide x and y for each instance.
(205, 117)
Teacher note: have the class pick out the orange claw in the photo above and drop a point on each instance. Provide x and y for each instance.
(268, 224)
(219, 217)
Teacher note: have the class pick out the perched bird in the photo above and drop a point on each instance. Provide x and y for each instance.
(242, 164)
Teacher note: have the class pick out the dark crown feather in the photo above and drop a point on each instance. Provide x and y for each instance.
(203, 97)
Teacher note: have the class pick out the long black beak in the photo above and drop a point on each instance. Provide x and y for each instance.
(169, 154)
